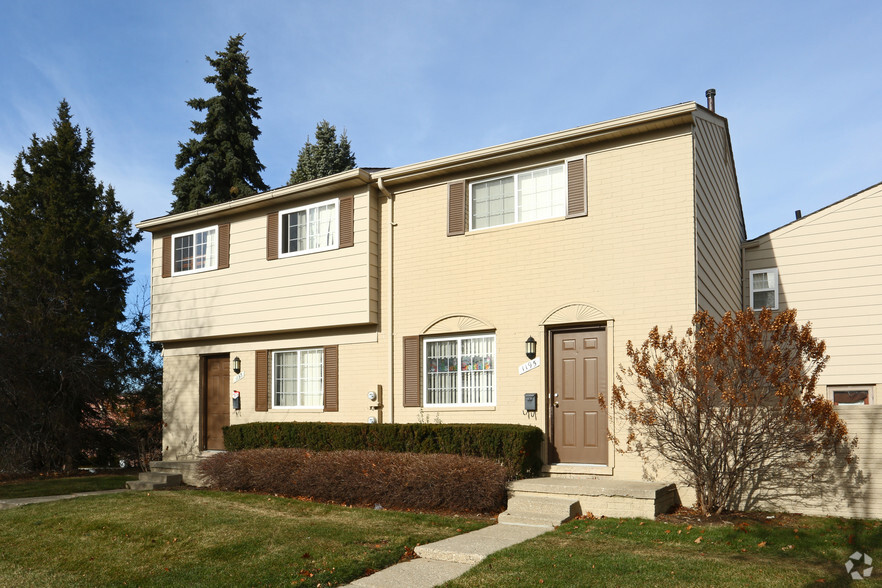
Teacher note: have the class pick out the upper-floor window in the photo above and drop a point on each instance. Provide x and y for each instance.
(309, 228)
(195, 251)
(521, 197)
(298, 378)
(460, 371)
(764, 289)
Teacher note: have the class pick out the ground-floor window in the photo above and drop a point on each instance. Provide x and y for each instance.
(460, 371)
(298, 380)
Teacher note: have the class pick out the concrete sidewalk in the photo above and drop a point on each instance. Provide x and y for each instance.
(14, 502)
(450, 558)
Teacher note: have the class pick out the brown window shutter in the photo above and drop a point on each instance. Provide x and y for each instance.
(272, 236)
(577, 202)
(457, 209)
(347, 221)
(223, 246)
(330, 362)
(166, 256)
(261, 385)
(411, 352)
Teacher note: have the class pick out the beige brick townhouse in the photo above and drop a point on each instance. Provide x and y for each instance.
(415, 293)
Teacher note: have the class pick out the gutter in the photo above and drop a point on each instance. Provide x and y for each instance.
(390, 312)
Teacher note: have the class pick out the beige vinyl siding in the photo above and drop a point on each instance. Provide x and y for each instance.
(829, 271)
(180, 407)
(322, 289)
(632, 256)
(719, 225)
(361, 368)
(841, 495)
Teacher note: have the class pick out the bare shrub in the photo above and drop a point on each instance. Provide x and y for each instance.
(367, 478)
(732, 407)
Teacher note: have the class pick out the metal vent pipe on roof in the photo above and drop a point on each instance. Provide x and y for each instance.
(710, 99)
(798, 214)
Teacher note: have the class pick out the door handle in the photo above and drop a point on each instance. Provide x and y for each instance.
(557, 405)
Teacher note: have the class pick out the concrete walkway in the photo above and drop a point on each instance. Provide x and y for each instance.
(14, 502)
(450, 558)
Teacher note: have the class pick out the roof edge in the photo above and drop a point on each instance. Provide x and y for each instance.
(444, 163)
(350, 178)
(816, 212)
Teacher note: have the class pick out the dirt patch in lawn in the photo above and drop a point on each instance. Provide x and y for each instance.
(691, 516)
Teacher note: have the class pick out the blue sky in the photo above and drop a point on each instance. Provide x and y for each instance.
(413, 80)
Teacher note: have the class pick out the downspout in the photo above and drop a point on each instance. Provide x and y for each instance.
(389, 401)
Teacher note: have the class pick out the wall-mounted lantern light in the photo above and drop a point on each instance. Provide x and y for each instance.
(237, 365)
(531, 348)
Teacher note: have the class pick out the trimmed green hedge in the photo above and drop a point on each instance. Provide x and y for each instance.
(516, 447)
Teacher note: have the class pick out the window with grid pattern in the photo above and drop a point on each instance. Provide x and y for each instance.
(195, 251)
(531, 195)
(764, 289)
(459, 371)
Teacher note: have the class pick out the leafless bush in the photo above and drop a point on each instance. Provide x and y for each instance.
(732, 407)
(392, 480)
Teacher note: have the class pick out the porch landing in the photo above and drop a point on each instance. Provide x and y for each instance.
(611, 498)
(187, 468)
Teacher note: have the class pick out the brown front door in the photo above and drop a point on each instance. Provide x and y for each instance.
(579, 378)
(216, 405)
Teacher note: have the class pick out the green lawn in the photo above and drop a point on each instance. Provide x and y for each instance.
(630, 552)
(204, 538)
(56, 486)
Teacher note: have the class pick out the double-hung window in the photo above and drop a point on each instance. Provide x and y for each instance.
(298, 378)
(517, 198)
(195, 251)
(764, 289)
(309, 228)
(460, 371)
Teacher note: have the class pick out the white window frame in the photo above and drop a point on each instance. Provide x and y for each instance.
(773, 277)
(212, 252)
(516, 175)
(459, 339)
(870, 389)
(299, 353)
(283, 238)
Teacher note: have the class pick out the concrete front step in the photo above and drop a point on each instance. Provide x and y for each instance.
(154, 481)
(161, 478)
(539, 511)
(611, 498)
(188, 469)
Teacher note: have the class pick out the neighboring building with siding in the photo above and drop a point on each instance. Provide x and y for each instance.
(827, 266)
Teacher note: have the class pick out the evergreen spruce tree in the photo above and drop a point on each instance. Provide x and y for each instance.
(327, 156)
(221, 164)
(64, 273)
